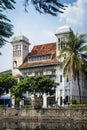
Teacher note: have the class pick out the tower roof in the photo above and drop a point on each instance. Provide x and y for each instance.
(63, 29)
(18, 38)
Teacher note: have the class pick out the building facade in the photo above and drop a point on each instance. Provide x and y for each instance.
(43, 60)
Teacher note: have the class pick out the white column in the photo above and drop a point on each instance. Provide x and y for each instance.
(13, 101)
(27, 95)
(32, 99)
(44, 100)
(22, 103)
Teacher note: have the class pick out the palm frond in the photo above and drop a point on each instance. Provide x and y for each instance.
(83, 48)
(74, 49)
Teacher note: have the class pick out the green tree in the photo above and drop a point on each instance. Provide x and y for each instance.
(5, 23)
(6, 83)
(34, 84)
(76, 54)
(46, 6)
(45, 85)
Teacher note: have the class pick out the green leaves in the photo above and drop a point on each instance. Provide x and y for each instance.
(34, 84)
(46, 6)
(5, 23)
(76, 54)
(76, 57)
(6, 82)
(6, 4)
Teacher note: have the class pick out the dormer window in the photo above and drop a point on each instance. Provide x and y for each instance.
(39, 58)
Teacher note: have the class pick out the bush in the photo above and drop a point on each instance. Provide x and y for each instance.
(28, 106)
(2, 106)
(78, 106)
(73, 101)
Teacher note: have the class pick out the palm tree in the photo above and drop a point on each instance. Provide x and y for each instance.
(76, 54)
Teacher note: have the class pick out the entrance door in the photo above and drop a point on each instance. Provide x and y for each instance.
(61, 100)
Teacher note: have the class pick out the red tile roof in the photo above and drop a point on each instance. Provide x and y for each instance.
(44, 49)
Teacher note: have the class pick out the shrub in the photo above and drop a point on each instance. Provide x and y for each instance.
(73, 101)
(28, 106)
(1, 106)
(78, 106)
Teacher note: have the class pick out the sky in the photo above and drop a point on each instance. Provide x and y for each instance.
(41, 28)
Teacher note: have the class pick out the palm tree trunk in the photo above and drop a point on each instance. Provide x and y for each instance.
(79, 88)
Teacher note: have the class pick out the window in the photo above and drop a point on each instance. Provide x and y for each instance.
(24, 74)
(67, 79)
(15, 64)
(60, 92)
(16, 47)
(60, 78)
(62, 45)
(48, 72)
(59, 40)
(17, 53)
(40, 73)
(38, 58)
(59, 46)
(17, 50)
(48, 56)
(62, 39)
(66, 91)
(54, 72)
(25, 47)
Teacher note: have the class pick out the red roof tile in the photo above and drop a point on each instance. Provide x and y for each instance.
(43, 49)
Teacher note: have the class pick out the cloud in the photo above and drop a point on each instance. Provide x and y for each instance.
(75, 16)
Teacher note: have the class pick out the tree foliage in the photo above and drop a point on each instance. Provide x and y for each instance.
(5, 23)
(46, 6)
(34, 84)
(6, 83)
(76, 55)
(43, 6)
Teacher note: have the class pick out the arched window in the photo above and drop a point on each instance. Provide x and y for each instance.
(15, 64)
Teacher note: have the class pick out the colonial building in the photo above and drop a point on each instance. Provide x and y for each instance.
(43, 60)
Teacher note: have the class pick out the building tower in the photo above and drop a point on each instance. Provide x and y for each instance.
(61, 34)
(20, 50)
